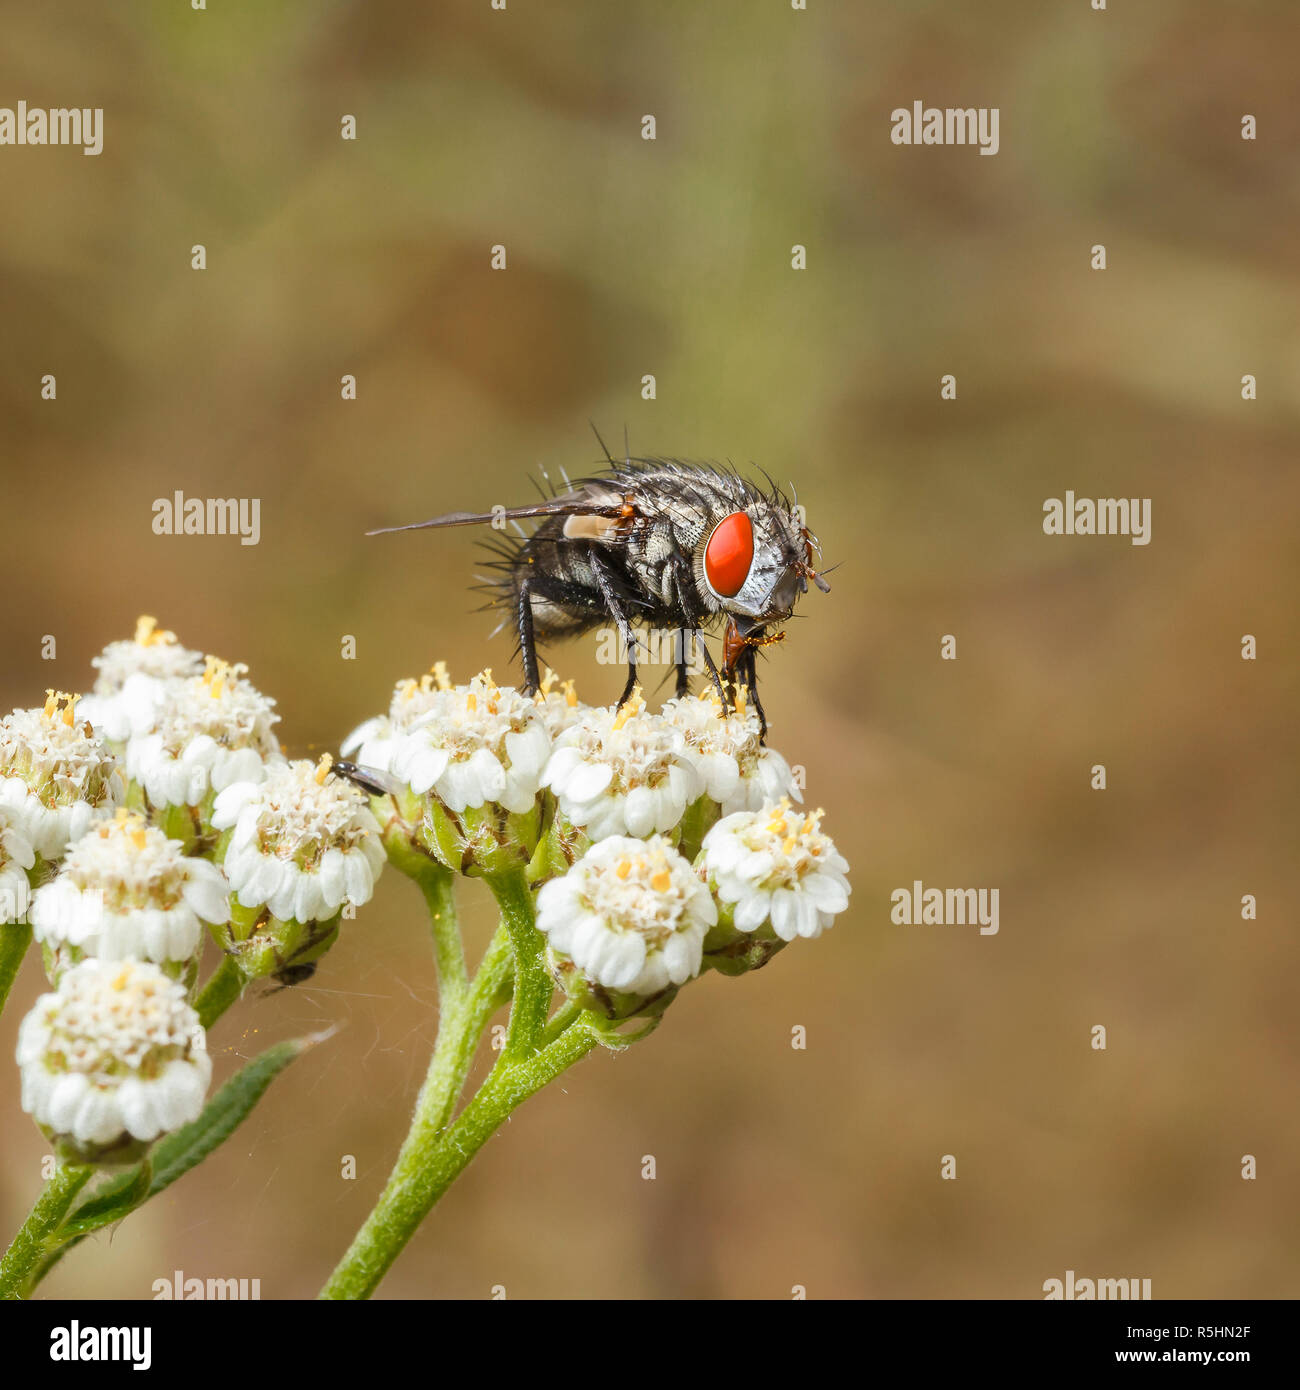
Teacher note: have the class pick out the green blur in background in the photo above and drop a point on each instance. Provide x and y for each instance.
(774, 1167)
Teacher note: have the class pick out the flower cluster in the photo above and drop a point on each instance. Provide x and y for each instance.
(661, 843)
(626, 924)
(126, 891)
(129, 821)
(133, 680)
(56, 777)
(111, 1059)
(209, 732)
(299, 846)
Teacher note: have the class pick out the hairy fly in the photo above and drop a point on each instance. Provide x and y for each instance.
(659, 542)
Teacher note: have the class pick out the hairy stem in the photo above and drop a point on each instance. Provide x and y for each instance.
(533, 986)
(430, 1163)
(223, 987)
(34, 1241)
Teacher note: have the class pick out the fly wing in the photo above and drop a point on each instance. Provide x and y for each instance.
(593, 499)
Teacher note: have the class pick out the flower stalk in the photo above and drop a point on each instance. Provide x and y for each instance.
(36, 1238)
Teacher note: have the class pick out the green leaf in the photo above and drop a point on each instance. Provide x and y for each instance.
(175, 1154)
(108, 1204)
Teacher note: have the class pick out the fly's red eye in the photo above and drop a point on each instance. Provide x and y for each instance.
(729, 554)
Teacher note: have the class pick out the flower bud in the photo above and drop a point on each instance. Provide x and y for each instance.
(123, 891)
(775, 876)
(625, 926)
(300, 846)
(56, 777)
(111, 1060)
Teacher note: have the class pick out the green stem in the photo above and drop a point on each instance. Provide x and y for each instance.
(533, 986)
(224, 986)
(429, 1163)
(460, 1026)
(438, 884)
(33, 1243)
(15, 937)
(565, 1015)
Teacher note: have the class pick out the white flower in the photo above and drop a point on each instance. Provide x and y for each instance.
(16, 857)
(303, 842)
(560, 709)
(371, 744)
(473, 744)
(631, 914)
(623, 772)
(739, 773)
(213, 731)
(55, 775)
(151, 652)
(114, 1051)
(125, 890)
(131, 688)
(776, 865)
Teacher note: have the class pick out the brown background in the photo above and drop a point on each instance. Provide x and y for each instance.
(775, 1167)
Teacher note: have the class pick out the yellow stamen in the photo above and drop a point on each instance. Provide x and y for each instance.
(119, 982)
(323, 768)
(216, 673)
(635, 704)
(149, 634)
(471, 702)
(662, 881)
(570, 688)
(69, 708)
(51, 704)
(624, 868)
(440, 675)
(548, 680)
(789, 846)
(740, 700)
(407, 689)
(138, 838)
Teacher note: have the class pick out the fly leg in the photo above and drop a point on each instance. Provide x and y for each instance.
(682, 573)
(614, 606)
(683, 675)
(747, 671)
(527, 644)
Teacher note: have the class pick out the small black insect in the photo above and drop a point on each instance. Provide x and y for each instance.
(662, 542)
(289, 975)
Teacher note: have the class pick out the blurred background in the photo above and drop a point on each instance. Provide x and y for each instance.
(626, 257)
